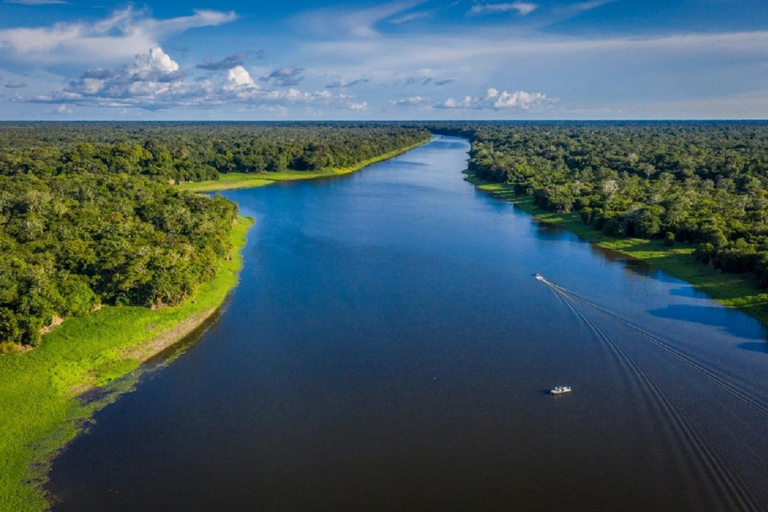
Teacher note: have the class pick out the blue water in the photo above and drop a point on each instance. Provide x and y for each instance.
(388, 348)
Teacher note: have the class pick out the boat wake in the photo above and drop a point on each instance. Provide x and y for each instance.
(734, 487)
(721, 381)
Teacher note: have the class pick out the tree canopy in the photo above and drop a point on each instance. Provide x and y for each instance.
(88, 216)
(704, 183)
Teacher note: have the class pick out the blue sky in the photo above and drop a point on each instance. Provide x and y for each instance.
(405, 59)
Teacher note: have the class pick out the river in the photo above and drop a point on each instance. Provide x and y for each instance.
(388, 348)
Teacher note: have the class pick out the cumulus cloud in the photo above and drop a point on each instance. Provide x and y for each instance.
(239, 78)
(229, 62)
(123, 34)
(495, 100)
(284, 77)
(523, 8)
(154, 81)
(152, 75)
(63, 109)
(339, 84)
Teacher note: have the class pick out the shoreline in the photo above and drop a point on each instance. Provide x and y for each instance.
(241, 180)
(45, 388)
(40, 389)
(731, 290)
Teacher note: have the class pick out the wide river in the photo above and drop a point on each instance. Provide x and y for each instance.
(388, 348)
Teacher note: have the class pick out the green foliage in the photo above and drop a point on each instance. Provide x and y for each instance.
(88, 215)
(735, 290)
(702, 183)
(74, 241)
(190, 152)
(38, 388)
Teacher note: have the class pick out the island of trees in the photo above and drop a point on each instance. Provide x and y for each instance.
(89, 215)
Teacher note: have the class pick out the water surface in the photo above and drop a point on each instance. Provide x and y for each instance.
(389, 349)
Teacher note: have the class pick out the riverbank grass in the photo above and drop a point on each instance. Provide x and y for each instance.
(39, 388)
(732, 290)
(239, 180)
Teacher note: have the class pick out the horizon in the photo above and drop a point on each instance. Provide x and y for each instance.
(402, 60)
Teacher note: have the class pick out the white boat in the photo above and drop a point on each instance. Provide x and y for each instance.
(538, 276)
(559, 390)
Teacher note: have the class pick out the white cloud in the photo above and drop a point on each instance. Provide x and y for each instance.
(155, 64)
(239, 78)
(413, 101)
(151, 75)
(155, 81)
(495, 100)
(357, 22)
(63, 109)
(494, 50)
(523, 8)
(405, 18)
(587, 6)
(125, 33)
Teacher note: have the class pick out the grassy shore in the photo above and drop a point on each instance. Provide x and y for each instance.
(732, 290)
(235, 180)
(39, 408)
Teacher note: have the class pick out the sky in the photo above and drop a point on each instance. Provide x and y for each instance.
(397, 60)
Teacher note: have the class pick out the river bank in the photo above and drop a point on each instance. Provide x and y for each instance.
(387, 333)
(239, 180)
(39, 389)
(732, 290)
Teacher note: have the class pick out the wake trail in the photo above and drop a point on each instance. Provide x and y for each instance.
(730, 482)
(756, 405)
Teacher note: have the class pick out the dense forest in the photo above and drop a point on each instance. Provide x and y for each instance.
(88, 216)
(704, 183)
(185, 152)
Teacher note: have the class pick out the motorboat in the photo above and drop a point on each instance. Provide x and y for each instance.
(559, 390)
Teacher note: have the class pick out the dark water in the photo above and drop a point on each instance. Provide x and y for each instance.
(389, 349)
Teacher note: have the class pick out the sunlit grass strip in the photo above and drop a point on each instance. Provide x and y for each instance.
(733, 290)
(236, 180)
(39, 412)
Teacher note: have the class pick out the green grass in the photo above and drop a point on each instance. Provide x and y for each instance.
(235, 180)
(732, 290)
(38, 388)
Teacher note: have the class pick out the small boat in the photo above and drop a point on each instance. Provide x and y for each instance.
(538, 276)
(559, 390)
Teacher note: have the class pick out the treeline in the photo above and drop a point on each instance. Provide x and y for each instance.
(88, 218)
(184, 152)
(705, 183)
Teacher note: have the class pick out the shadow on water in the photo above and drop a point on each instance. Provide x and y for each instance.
(689, 292)
(547, 231)
(755, 346)
(706, 315)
